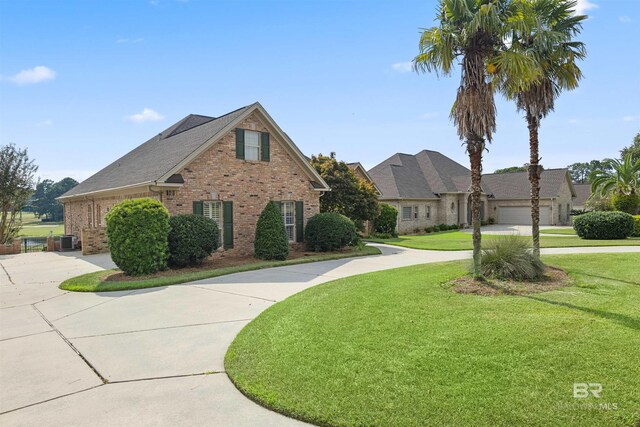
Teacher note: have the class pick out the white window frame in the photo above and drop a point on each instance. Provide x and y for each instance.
(250, 146)
(213, 210)
(288, 208)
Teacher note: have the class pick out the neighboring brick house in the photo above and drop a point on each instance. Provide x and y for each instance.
(429, 188)
(226, 168)
(583, 192)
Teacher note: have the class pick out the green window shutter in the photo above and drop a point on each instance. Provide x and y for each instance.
(227, 227)
(239, 143)
(197, 208)
(264, 147)
(299, 221)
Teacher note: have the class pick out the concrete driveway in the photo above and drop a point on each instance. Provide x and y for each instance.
(146, 357)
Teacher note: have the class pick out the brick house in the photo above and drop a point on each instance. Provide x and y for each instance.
(429, 188)
(226, 168)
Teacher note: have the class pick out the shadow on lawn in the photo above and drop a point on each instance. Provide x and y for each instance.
(628, 321)
(628, 282)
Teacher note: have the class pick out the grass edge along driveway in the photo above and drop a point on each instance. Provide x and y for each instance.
(397, 347)
(93, 282)
(459, 241)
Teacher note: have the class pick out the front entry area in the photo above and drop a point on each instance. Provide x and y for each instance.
(521, 215)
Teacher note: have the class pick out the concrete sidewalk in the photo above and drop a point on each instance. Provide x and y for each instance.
(147, 357)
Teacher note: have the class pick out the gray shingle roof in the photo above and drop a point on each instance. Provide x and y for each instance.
(583, 191)
(428, 174)
(400, 176)
(156, 157)
(515, 185)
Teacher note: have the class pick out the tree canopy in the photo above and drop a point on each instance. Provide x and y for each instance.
(633, 149)
(44, 203)
(581, 171)
(17, 171)
(350, 195)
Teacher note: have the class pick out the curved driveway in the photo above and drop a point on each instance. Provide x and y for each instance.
(147, 357)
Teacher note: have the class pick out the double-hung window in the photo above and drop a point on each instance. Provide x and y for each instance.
(213, 210)
(287, 209)
(428, 212)
(251, 145)
(407, 213)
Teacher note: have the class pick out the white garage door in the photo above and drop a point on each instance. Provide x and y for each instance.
(518, 215)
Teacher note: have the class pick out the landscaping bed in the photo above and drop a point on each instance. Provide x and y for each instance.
(398, 347)
(115, 280)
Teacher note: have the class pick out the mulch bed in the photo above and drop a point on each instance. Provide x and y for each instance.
(554, 278)
(208, 264)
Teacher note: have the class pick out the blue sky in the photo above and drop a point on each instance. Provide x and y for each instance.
(84, 82)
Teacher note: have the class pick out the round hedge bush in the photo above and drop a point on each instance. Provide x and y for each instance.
(386, 220)
(137, 232)
(329, 232)
(271, 237)
(625, 203)
(192, 239)
(604, 225)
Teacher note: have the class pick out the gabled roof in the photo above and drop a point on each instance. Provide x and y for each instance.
(515, 185)
(160, 158)
(357, 166)
(583, 192)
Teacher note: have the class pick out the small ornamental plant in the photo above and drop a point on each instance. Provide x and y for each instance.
(137, 233)
(271, 241)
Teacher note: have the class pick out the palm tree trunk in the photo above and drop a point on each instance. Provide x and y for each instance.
(475, 147)
(533, 123)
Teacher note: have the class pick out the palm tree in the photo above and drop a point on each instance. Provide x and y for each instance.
(546, 37)
(473, 32)
(620, 178)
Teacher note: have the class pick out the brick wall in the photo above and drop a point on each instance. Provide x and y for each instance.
(248, 184)
(11, 248)
(88, 213)
(94, 241)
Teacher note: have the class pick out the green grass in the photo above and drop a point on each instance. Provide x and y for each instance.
(33, 227)
(563, 231)
(93, 282)
(458, 241)
(399, 348)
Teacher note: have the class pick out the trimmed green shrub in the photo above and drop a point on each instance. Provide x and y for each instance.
(329, 232)
(137, 232)
(271, 237)
(192, 239)
(625, 203)
(510, 257)
(386, 220)
(604, 225)
(636, 232)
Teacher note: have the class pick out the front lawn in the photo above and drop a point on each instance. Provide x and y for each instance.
(399, 348)
(97, 281)
(563, 231)
(458, 241)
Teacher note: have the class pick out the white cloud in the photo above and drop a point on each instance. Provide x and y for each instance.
(573, 121)
(402, 67)
(583, 6)
(429, 116)
(47, 122)
(33, 75)
(126, 40)
(146, 115)
(624, 19)
(631, 118)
